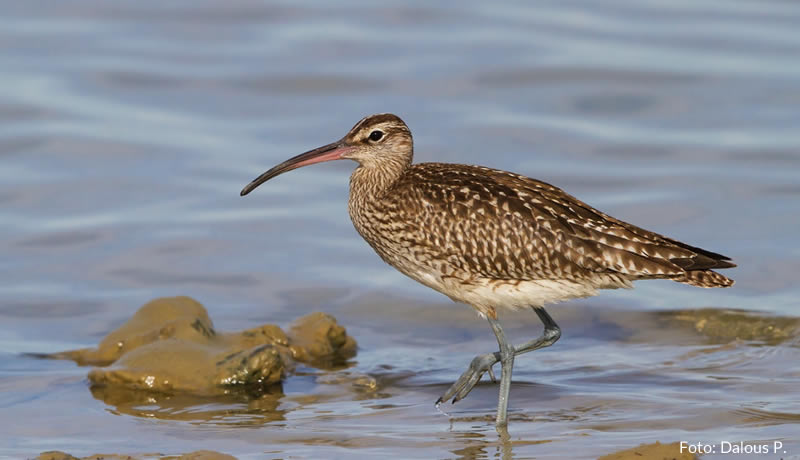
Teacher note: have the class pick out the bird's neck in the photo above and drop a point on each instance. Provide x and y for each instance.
(374, 180)
(368, 188)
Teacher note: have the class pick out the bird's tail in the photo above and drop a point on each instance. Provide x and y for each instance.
(705, 279)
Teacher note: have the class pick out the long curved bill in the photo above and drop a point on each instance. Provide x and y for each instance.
(328, 152)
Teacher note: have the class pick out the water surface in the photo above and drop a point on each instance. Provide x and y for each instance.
(127, 130)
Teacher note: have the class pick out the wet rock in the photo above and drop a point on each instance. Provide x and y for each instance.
(357, 380)
(55, 455)
(656, 451)
(170, 345)
(202, 455)
(175, 365)
(317, 337)
(180, 317)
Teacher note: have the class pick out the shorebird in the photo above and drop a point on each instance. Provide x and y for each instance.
(493, 239)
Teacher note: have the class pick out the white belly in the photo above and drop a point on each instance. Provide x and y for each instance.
(488, 295)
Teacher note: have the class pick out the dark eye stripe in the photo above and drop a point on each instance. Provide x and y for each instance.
(375, 135)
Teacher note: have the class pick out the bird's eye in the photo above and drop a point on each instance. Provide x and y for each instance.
(375, 135)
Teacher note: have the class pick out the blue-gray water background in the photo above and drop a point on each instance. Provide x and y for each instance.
(128, 128)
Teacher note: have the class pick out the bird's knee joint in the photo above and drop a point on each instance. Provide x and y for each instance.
(553, 334)
(507, 353)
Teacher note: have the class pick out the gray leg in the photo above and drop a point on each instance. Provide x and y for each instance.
(483, 363)
(507, 364)
(550, 335)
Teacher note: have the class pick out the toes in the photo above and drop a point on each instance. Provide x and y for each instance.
(454, 388)
(461, 388)
(464, 391)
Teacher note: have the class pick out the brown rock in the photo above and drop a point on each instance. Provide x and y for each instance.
(656, 451)
(170, 346)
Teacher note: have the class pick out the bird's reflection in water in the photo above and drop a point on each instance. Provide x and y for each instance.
(480, 445)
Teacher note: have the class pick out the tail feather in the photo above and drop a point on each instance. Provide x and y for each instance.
(705, 279)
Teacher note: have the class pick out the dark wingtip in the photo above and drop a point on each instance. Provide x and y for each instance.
(725, 263)
(702, 262)
(706, 260)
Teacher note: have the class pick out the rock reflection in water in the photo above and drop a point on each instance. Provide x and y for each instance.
(225, 410)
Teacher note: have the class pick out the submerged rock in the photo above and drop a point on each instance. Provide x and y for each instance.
(723, 326)
(170, 345)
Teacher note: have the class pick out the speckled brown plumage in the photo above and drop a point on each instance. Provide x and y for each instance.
(454, 227)
(487, 223)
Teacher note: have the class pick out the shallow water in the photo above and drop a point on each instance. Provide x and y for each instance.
(127, 130)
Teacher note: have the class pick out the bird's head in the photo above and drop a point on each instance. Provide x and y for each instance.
(376, 141)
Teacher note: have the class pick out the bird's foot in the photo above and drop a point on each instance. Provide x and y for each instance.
(461, 388)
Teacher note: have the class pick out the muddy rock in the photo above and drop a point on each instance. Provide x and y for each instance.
(317, 336)
(170, 345)
(656, 451)
(55, 455)
(180, 317)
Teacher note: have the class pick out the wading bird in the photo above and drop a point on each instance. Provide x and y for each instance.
(493, 239)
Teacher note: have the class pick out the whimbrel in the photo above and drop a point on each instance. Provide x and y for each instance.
(493, 239)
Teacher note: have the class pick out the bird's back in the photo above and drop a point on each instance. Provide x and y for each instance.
(470, 222)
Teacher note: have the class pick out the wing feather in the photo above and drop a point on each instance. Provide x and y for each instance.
(505, 226)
